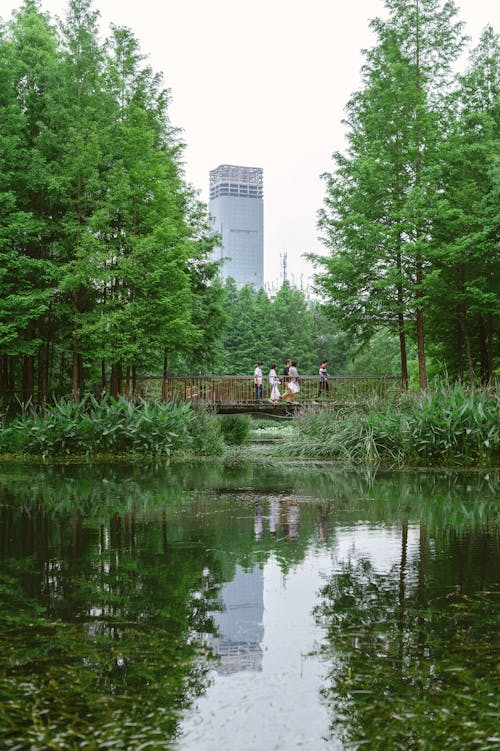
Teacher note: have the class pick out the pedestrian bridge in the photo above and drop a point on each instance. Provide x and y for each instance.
(236, 394)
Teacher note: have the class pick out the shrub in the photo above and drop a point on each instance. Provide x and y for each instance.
(235, 429)
(114, 426)
(206, 434)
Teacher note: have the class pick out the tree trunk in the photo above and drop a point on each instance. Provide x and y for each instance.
(164, 379)
(116, 379)
(134, 382)
(422, 370)
(4, 376)
(402, 352)
(75, 378)
(126, 392)
(460, 350)
(28, 377)
(103, 377)
(401, 328)
(483, 350)
(43, 357)
(62, 368)
(490, 335)
(468, 350)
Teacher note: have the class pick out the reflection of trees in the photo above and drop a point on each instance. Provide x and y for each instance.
(109, 573)
(411, 652)
(107, 580)
(98, 631)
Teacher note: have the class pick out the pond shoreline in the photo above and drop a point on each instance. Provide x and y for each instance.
(257, 454)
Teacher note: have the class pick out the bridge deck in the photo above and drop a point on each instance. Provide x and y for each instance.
(226, 393)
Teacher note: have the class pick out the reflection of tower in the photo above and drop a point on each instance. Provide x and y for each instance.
(239, 625)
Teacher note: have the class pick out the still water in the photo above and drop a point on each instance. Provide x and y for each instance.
(209, 608)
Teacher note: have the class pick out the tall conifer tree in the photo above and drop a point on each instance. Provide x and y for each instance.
(378, 213)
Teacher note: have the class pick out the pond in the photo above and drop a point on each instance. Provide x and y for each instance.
(203, 607)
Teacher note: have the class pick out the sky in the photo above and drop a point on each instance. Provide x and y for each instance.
(262, 84)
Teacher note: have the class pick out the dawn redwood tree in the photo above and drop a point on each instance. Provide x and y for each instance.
(83, 159)
(158, 240)
(379, 207)
(239, 340)
(28, 75)
(464, 289)
(292, 333)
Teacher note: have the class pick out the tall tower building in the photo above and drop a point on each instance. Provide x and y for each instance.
(237, 208)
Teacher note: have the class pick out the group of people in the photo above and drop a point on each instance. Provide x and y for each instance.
(289, 381)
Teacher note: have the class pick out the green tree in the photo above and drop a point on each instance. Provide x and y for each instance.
(292, 332)
(239, 341)
(104, 247)
(378, 215)
(29, 70)
(464, 289)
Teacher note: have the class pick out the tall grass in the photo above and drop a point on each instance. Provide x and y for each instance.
(113, 426)
(451, 426)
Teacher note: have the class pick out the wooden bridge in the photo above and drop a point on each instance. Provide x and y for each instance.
(231, 394)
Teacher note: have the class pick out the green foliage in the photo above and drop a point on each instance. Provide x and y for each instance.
(399, 654)
(114, 426)
(448, 427)
(104, 248)
(236, 429)
(453, 426)
(289, 326)
(205, 432)
(410, 216)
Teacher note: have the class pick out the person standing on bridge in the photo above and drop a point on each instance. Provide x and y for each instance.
(274, 384)
(323, 379)
(293, 385)
(257, 379)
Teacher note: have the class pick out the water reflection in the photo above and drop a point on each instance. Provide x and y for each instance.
(239, 623)
(410, 641)
(145, 605)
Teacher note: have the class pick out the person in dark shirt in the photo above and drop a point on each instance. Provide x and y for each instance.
(324, 387)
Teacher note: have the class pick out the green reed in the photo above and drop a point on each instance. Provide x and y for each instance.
(449, 426)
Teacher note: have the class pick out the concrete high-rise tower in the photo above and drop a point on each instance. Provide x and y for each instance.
(237, 208)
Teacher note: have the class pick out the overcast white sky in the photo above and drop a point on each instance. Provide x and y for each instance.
(261, 84)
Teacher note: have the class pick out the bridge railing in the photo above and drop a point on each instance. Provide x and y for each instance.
(214, 390)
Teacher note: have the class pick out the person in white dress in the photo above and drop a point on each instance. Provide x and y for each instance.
(274, 384)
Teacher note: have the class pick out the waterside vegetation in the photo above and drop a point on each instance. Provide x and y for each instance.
(113, 427)
(448, 426)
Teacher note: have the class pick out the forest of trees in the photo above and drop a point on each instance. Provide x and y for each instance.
(104, 248)
(412, 212)
(105, 270)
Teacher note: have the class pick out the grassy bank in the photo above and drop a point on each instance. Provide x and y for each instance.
(112, 427)
(447, 427)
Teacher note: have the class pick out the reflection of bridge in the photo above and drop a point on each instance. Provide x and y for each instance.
(237, 393)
